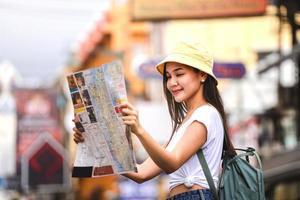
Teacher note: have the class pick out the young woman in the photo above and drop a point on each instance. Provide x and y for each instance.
(199, 122)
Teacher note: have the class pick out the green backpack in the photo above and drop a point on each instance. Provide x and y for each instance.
(239, 179)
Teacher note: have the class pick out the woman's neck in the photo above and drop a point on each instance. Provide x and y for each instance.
(195, 101)
(192, 107)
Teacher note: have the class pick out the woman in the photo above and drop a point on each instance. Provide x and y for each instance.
(199, 121)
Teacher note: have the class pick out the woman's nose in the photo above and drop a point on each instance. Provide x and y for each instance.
(173, 81)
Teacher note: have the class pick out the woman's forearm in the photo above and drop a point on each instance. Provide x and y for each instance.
(145, 171)
(136, 177)
(162, 158)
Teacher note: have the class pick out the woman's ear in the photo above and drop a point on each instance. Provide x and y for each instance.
(202, 76)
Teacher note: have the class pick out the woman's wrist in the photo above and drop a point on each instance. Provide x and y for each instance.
(140, 132)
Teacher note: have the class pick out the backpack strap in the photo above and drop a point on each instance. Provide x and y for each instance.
(207, 174)
(250, 152)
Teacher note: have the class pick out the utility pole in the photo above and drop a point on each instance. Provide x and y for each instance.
(293, 7)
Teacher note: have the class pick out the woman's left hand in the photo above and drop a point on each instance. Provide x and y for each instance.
(131, 118)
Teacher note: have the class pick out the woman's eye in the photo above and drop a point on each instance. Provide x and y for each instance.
(179, 74)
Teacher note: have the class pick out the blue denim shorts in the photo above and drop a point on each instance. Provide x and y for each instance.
(202, 194)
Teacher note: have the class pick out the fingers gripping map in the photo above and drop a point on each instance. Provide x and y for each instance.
(96, 96)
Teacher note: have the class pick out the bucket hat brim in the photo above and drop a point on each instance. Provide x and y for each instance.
(191, 54)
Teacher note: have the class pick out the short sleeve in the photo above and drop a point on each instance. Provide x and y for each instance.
(206, 115)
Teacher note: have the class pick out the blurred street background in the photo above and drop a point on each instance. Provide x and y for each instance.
(256, 48)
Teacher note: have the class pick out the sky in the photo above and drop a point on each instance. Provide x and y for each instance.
(37, 36)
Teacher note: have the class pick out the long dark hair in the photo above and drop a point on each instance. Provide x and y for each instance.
(211, 95)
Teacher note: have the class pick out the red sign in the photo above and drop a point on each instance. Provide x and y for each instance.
(44, 164)
(45, 167)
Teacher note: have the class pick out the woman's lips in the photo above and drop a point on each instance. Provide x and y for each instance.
(174, 92)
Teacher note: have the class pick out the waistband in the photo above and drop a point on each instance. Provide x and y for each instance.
(201, 194)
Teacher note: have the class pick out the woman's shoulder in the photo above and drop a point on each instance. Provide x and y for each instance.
(206, 109)
(206, 112)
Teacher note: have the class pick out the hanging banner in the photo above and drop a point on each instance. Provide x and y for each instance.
(37, 114)
(7, 135)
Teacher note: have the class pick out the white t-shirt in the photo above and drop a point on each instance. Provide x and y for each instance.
(191, 172)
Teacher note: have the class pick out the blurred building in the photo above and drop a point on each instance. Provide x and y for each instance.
(280, 124)
(262, 104)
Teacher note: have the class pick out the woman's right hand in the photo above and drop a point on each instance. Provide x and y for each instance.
(78, 137)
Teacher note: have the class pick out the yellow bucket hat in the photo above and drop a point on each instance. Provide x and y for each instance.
(191, 54)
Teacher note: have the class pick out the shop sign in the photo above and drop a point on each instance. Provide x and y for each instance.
(195, 9)
(229, 70)
(37, 113)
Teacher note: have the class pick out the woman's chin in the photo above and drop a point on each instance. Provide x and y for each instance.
(178, 99)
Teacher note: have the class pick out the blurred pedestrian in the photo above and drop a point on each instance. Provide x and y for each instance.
(198, 120)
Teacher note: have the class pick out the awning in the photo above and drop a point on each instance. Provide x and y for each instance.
(92, 37)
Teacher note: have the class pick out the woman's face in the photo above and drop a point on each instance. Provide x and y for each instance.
(79, 81)
(183, 81)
